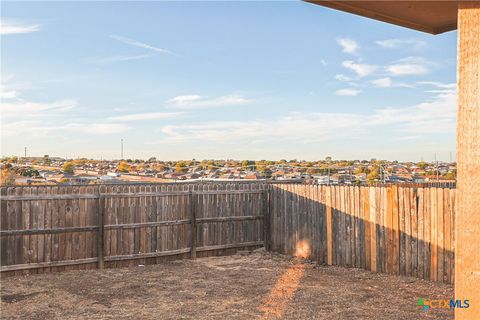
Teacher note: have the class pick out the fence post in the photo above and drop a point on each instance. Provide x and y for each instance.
(101, 235)
(328, 204)
(193, 225)
(266, 219)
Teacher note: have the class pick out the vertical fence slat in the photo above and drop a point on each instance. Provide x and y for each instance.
(396, 231)
(100, 234)
(329, 225)
(193, 225)
(373, 228)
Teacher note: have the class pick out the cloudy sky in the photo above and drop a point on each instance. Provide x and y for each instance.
(242, 80)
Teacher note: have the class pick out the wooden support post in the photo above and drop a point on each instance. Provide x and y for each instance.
(100, 234)
(193, 225)
(467, 230)
(373, 228)
(266, 219)
(329, 225)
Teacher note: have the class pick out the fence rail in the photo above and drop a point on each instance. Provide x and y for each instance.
(70, 227)
(404, 231)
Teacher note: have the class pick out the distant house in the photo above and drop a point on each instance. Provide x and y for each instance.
(47, 174)
(214, 175)
(193, 175)
(83, 179)
(18, 179)
(346, 178)
(114, 174)
(57, 177)
(252, 176)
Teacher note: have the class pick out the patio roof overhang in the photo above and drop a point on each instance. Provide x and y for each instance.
(428, 16)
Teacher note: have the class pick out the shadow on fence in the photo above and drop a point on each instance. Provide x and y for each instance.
(403, 231)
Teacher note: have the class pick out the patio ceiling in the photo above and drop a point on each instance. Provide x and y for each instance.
(428, 16)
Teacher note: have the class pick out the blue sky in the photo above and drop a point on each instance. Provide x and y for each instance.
(242, 80)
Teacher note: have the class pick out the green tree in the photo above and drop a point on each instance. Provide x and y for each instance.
(180, 167)
(374, 174)
(360, 170)
(29, 172)
(422, 165)
(267, 174)
(124, 167)
(68, 167)
(261, 168)
(248, 165)
(451, 175)
(7, 177)
(12, 160)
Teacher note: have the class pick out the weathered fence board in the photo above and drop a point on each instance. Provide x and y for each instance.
(393, 229)
(55, 228)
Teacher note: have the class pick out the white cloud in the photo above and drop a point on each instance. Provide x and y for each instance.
(439, 88)
(438, 84)
(361, 69)
(406, 69)
(22, 117)
(41, 128)
(408, 138)
(294, 127)
(389, 83)
(436, 116)
(185, 99)
(200, 102)
(146, 116)
(21, 108)
(139, 44)
(118, 58)
(97, 128)
(348, 45)
(323, 62)
(342, 77)
(409, 66)
(14, 27)
(9, 88)
(7, 94)
(382, 82)
(348, 92)
(396, 43)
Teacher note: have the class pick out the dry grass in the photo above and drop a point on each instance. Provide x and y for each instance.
(233, 287)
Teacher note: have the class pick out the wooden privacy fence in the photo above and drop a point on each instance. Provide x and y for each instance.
(404, 231)
(54, 228)
(398, 230)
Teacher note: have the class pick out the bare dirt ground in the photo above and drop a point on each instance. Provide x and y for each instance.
(256, 285)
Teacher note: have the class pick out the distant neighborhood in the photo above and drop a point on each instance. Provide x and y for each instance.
(54, 170)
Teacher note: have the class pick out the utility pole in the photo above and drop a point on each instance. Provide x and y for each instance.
(121, 149)
(25, 152)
